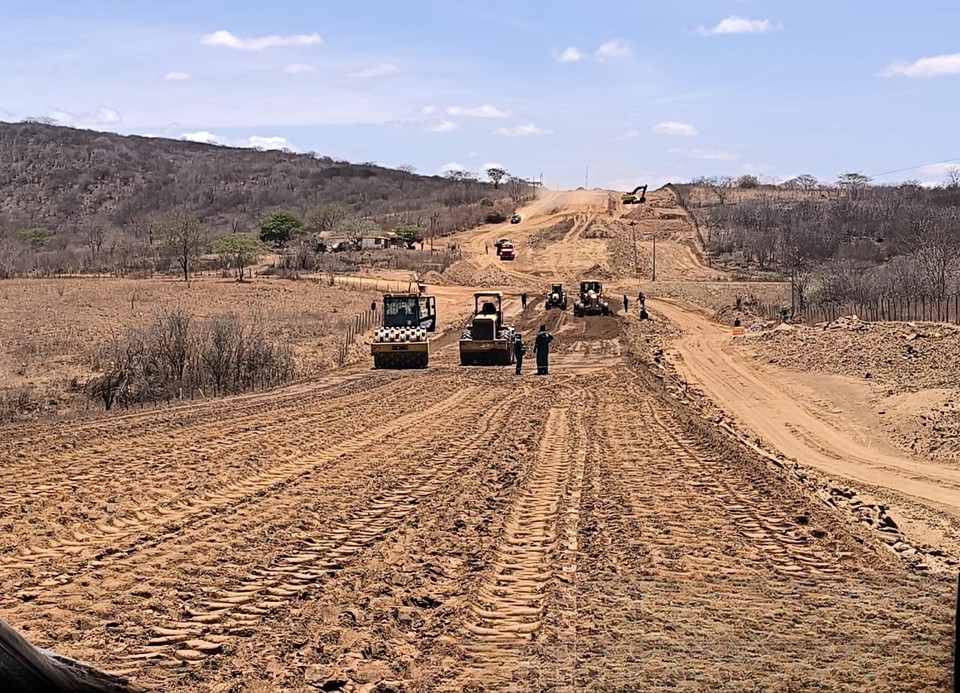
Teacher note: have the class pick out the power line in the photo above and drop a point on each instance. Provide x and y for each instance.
(912, 168)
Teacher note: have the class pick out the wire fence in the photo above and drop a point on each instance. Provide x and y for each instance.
(900, 309)
(360, 324)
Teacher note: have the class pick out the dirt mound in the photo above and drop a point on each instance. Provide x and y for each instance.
(543, 237)
(599, 271)
(433, 277)
(459, 273)
(491, 275)
(598, 230)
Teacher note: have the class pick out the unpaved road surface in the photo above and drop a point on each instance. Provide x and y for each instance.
(454, 529)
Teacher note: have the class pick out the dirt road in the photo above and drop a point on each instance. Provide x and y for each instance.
(456, 529)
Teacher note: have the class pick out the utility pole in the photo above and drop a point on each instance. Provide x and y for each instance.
(586, 177)
(654, 273)
(636, 262)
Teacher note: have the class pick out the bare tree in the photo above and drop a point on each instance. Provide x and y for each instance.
(184, 239)
(94, 234)
(952, 178)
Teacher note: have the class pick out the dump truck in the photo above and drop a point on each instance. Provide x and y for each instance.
(632, 198)
(556, 297)
(401, 340)
(591, 301)
(486, 340)
(507, 251)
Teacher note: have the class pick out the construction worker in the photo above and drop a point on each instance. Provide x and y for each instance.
(642, 299)
(486, 247)
(625, 300)
(523, 300)
(541, 347)
(518, 351)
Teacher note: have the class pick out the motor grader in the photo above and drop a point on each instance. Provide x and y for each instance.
(556, 297)
(591, 300)
(486, 340)
(401, 340)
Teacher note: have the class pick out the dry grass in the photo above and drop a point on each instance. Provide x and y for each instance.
(49, 329)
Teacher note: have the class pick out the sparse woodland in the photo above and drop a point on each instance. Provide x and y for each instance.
(77, 201)
(850, 243)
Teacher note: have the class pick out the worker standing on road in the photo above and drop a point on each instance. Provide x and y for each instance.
(486, 247)
(518, 351)
(642, 299)
(625, 301)
(523, 300)
(541, 347)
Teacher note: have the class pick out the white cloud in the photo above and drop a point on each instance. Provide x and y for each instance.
(268, 142)
(738, 25)
(203, 137)
(428, 110)
(444, 126)
(570, 54)
(297, 68)
(670, 127)
(107, 116)
(102, 116)
(488, 166)
(228, 40)
(485, 111)
(523, 130)
(937, 66)
(176, 76)
(613, 50)
(707, 154)
(631, 135)
(452, 166)
(254, 141)
(384, 70)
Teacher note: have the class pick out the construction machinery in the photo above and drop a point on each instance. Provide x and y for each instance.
(632, 198)
(556, 297)
(507, 252)
(486, 340)
(591, 300)
(499, 244)
(401, 341)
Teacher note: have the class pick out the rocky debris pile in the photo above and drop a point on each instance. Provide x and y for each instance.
(542, 237)
(846, 322)
(598, 271)
(459, 273)
(598, 230)
(902, 357)
(433, 277)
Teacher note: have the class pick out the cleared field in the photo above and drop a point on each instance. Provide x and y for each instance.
(459, 529)
(50, 328)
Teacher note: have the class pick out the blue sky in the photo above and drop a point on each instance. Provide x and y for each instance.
(639, 92)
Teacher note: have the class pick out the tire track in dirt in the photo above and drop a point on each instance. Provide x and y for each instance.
(111, 466)
(183, 414)
(671, 468)
(307, 560)
(149, 526)
(537, 545)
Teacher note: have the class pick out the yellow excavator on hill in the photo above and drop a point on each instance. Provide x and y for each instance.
(632, 198)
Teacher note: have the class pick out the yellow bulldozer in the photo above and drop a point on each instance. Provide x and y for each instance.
(401, 340)
(486, 340)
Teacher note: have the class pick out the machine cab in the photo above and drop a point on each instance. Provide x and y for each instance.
(586, 287)
(488, 314)
(409, 310)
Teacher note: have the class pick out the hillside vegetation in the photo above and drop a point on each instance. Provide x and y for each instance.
(839, 244)
(78, 200)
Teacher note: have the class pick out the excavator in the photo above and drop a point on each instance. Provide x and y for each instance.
(632, 198)
(401, 341)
